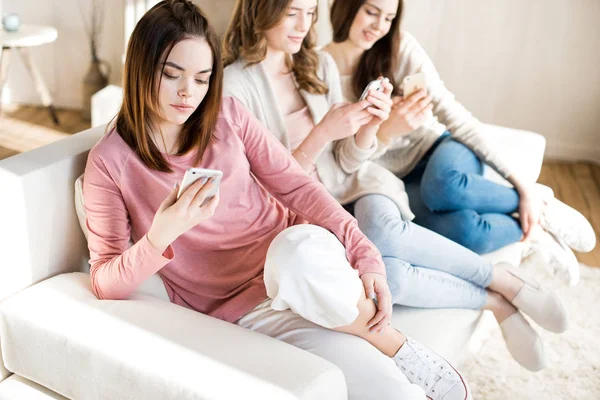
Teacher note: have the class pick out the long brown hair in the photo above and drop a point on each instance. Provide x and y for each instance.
(379, 60)
(151, 42)
(245, 38)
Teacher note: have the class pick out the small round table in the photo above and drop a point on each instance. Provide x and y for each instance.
(28, 36)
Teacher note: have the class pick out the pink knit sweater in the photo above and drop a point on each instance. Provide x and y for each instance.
(215, 268)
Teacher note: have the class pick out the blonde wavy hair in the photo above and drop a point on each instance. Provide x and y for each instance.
(245, 39)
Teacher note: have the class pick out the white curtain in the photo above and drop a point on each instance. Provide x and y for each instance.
(134, 9)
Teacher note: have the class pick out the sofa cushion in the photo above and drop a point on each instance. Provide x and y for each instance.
(56, 333)
(18, 388)
(79, 206)
(522, 150)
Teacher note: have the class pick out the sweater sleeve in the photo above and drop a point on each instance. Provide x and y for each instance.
(283, 177)
(463, 126)
(116, 269)
(347, 154)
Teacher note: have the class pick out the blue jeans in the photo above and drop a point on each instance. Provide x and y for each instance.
(449, 195)
(424, 269)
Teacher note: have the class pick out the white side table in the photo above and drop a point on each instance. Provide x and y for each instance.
(28, 36)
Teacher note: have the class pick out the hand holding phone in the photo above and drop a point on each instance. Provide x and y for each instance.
(194, 174)
(376, 85)
(410, 111)
(186, 206)
(412, 84)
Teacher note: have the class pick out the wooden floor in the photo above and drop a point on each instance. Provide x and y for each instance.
(577, 184)
(26, 128)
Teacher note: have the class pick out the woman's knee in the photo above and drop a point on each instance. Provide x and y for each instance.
(378, 215)
(306, 271)
(472, 231)
(444, 190)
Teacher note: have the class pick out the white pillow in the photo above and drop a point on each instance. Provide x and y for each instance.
(79, 208)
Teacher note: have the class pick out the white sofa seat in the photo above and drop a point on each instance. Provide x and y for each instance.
(59, 335)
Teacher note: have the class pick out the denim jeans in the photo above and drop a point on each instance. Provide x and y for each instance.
(449, 195)
(424, 269)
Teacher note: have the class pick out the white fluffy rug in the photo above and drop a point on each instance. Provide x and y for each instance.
(573, 358)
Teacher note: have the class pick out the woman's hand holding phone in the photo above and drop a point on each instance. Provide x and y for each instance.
(381, 103)
(176, 216)
(380, 108)
(343, 120)
(406, 115)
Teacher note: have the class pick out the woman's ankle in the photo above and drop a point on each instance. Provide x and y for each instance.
(500, 307)
(505, 283)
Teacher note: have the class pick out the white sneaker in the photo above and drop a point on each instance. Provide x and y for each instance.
(558, 256)
(565, 222)
(432, 373)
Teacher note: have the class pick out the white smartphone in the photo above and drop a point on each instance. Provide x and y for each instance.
(376, 85)
(193, 174)
(413, 83)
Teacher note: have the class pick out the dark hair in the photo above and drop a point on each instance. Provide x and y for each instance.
(379, 60)
(155, 35)
(245, 38)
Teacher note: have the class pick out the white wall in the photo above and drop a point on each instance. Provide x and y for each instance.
(529, 64)
(64, 63)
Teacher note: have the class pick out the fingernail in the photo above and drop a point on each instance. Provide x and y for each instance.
(204, 180)
(175, 185)
(372, 296)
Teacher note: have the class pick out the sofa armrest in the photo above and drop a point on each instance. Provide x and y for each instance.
(56, 333)
(522, 150)
(39, 232)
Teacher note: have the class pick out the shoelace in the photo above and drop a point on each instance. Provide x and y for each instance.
(431, 371)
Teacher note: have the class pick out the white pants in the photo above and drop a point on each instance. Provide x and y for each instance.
(369, 373)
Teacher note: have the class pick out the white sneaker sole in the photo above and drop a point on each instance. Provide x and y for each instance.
(568, 224)
(559, 257)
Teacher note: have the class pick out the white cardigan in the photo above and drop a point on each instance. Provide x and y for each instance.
(345, 174)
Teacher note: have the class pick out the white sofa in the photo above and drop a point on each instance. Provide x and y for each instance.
(57, 339)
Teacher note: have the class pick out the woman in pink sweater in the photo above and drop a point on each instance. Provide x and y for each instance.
(213, 257)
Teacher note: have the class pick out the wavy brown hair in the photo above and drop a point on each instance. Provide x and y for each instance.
(245, 39)
(379, 60)
(155, 35)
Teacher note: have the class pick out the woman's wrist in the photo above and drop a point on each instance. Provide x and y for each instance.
(315, 142)
(520, 186)
(382, 137)
(160, 244)
(365, 137)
